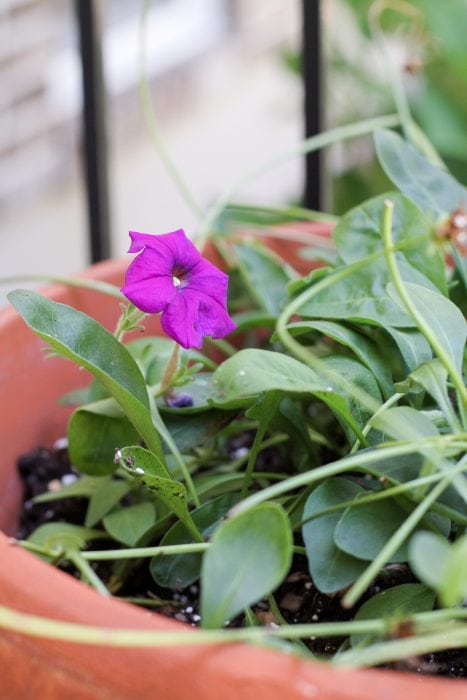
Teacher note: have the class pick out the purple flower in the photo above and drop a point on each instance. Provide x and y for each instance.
(170, 275)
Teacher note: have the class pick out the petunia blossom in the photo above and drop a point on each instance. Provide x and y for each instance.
(170, 276)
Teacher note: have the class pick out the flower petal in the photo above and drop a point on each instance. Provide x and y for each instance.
(174, 248)
(139, 240)
(191, 315)
(148, 282)
(180, 321)
(208, 279)
(213, 318)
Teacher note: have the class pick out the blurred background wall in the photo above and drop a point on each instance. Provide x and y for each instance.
(224, 97)
(225, 82)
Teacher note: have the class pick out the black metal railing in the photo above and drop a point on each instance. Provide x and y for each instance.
(94, 127)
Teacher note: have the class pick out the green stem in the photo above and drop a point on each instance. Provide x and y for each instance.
(165, 434)
(87, 572)
(393, 544)
(151, 121)
(270, 403)
(46, 628)
(129, 321)
(411, 130)
(439, 350)
(143, 552)
(389, 493)
(284, 214)
(304, 354)
(307, 146)
(396, 649)
(366, 429)
(171, 368)
(368, 457)
(81, 282)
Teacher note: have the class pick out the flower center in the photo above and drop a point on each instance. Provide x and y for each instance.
(178, 277)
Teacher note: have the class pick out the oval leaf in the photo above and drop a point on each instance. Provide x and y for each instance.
(330, 568)
(365, 349)
(128, 524)
(431, 188)
(428, 557)
(147, 468)
(442, 316)
(80, 338)
(251, 372)
(180, 570)
(94, 432)
(249, 556)
(398, 603)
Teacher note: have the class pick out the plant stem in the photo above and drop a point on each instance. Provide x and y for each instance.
(270, 404)
(393, 543)
(396, 649)
(360, 459)
(165, 434)
(35, 626)
(389, 493)
(309, 145)
(171, 368)
(143, 552)
(81, 282)
(151, 121)
(366, 429)
(87, 572)
(401, 289)
(411, 130)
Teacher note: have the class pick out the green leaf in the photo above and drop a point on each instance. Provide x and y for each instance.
(181, 570)
(265, 275)
(428, 557)
(238, 380)
(431, 188)
(108, 493)
(404, 423)
(190, 431)
(152, 473)
(250, 372)
(198, 389)
(128, 524)
(362, 531)
(433, 377)
(444, 319)
(330, 568)
(249, 556)
(453, 584)
(63, 537)
(397, 603)
(246, 320)
(151, 355)
(358, 235)
(364, 348)
(82, 488)
(80, 338)
(351, 412)
(95, 431)
(412, 345)
(361, 296)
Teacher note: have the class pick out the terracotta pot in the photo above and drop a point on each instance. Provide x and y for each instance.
(35, 668)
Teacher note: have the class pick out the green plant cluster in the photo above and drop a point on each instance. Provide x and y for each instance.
(352, 377)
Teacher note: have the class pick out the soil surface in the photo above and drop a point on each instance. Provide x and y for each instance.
(297, 599)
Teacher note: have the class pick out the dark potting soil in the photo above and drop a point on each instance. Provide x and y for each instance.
(43, 470)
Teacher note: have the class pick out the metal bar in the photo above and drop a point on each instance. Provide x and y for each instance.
(94, 129)
(311, 71)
